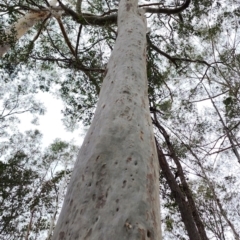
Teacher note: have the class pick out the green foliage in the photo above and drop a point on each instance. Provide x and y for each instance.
(30, 190)
(193, 82)
(169, 223)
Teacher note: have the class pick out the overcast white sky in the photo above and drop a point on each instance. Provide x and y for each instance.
(50, 124)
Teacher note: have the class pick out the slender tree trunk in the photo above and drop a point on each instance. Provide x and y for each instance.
(187, 191)
(18, 29)
(114, 189)
(184, 209)
(23, 24)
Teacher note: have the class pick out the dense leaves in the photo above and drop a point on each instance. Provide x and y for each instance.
(33, 183)
(193, 73)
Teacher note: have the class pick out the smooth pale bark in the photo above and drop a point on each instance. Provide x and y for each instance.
(18, 29)
(23, 24)
(114, 189)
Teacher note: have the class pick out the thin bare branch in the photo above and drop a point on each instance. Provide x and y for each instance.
(65, 36)
(78, 39)
(174, 59)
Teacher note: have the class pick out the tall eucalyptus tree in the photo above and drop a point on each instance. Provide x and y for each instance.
(114, 187)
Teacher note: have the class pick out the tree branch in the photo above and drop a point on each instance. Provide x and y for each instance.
(65, 35)
(229, 134)
(168, 10)
(174, 59)
(78, 39)
(89, 19)
(195, 213)
(183, 206)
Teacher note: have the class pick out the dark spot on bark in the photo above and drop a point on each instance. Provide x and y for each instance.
(106, 194)
(141, 135)
(66, 222)
(135, 163)
(129, 159)
(148, 234)
(97, 158)
(61, 235)
(90, 184)
(128, 6)
(127, 92)
(104, 165)
(117, 209)
(129, 118)
(142, 234)
(93, 197)
(99, 182)
(132, 179)
(82, 177)
(116, 163)
(101, 201)
(103, 106)
(124, 183)
(117, 200)
(71, 202)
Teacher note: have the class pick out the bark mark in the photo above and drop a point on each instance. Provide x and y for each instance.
(142, 233)
(151, 190)
(61, 235)
(128, 6)
(101, 201)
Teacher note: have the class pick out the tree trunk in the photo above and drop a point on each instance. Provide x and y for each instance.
(23, 24)
(18, 29)
(114, 188)
(184, 209)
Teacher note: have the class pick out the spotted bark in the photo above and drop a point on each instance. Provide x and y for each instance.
(114, 188)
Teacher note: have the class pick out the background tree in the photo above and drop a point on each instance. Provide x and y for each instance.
(33, 184)
(33, 180)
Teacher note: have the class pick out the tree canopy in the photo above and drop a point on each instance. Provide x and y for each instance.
(193, 87)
